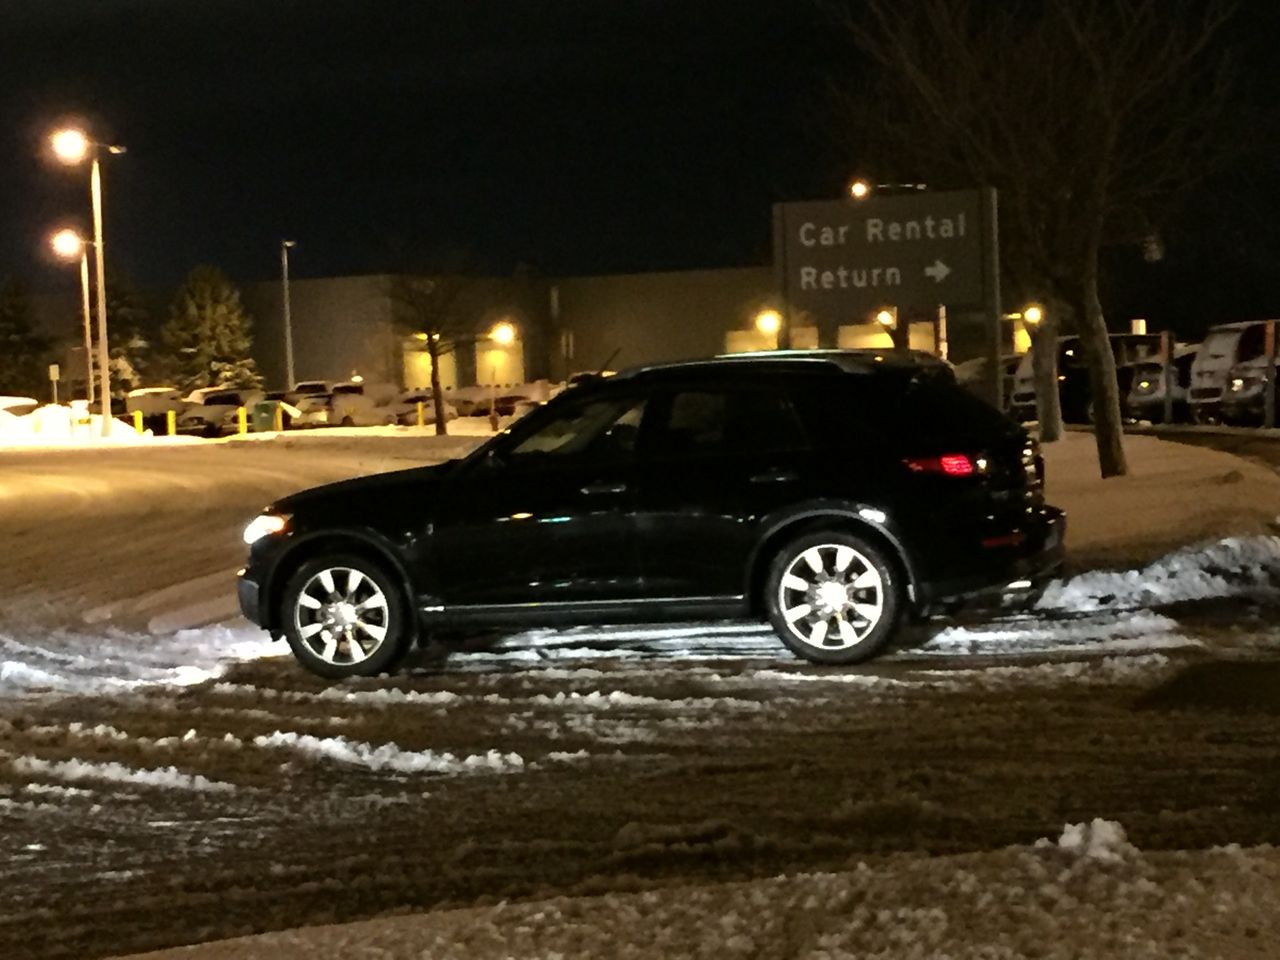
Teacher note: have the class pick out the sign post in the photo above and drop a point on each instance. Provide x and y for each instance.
(1167, 374)
(54, 374)
(1269, 398)
(840, 261)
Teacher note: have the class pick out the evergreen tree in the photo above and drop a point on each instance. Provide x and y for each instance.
(130, 336)
(22, 350)
(210, 334)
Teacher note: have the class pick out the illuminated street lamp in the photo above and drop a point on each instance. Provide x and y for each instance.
(1032, 314)
(769, 322)
(70, 246)
(503, 334)
(72, 146)
(887, 318)
(859, 189)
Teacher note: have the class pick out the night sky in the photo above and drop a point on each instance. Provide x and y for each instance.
(577, 136)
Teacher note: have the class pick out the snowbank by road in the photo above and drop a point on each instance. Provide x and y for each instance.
(1089, 894)
(1175, 495)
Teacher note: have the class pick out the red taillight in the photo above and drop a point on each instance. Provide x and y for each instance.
(949, 464)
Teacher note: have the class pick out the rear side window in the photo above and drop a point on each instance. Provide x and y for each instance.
(725, 421)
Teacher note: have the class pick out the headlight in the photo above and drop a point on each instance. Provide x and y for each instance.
(264, 526)
(1237, 384)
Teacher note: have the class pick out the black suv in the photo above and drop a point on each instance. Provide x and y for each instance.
(834, 493)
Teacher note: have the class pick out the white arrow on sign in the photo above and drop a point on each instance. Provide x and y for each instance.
(938, 272)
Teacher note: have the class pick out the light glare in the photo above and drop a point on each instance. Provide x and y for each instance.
(70, 146)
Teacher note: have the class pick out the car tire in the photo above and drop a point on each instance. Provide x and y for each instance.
(347, 422)
(345, 616)
(833, 581)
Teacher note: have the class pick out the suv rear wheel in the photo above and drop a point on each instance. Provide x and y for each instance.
(345, 617)
(833, 598)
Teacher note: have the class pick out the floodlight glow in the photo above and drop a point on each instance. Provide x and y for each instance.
(503, 334)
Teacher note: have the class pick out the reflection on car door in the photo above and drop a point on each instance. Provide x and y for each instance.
(713, 462)
(548, 518)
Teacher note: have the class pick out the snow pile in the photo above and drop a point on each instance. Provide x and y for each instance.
(1234, 567)
(71, 425)
(1099, 898)
(119, 662)
(1111, 632)
(1100, 839)
(77, 770)
(390, 757)
(1175, 494)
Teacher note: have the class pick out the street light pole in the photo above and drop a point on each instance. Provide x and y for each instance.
(104, 354)
(290, 382)
(73, 146)
(88, 323)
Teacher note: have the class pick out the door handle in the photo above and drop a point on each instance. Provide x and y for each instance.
(595, 489)
(775, 476)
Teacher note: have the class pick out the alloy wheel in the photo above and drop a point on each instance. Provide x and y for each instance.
(342, 616)
(831, 596)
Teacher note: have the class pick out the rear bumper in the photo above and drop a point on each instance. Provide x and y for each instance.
(1004, 569)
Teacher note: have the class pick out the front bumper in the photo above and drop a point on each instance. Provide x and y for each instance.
(1017, 567)
(249, 593)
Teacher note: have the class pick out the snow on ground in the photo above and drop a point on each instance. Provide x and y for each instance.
(1089, 894)
(608, 760)
(1175, 495)
(34, 662)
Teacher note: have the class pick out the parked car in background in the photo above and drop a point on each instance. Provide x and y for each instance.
(212, 411)
(830, 493)
(154, 403)
(351, 404)
(1226, 347)
(1145, 399)
(18, 406)
(406, 408)
(308, 388)
(1244, 403)
(1073, 375)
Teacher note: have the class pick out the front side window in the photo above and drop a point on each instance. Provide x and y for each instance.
(602, 429)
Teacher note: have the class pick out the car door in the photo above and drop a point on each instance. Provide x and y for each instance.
(714, 461)
(547, 516)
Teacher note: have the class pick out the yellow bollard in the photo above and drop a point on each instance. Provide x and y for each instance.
(242, 421)
(279, 424)
(137, 421)
(422, 414)
(171, 421)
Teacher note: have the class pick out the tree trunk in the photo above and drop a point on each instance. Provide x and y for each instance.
(1104, 392)
(437, 395)
(900, 333)
(1044, 364)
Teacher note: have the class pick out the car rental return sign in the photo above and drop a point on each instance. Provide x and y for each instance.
(841, 261)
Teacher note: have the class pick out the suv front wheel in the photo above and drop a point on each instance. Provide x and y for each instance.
(833, 598)
(344, 616)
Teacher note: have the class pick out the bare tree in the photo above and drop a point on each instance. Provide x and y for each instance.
(433, 308)
(1091, 117)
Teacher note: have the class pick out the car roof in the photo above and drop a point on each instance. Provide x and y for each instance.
(804, 362)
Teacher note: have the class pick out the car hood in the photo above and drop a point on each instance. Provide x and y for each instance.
(384, 489)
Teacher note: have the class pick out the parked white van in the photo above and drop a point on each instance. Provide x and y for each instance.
(1225, 346)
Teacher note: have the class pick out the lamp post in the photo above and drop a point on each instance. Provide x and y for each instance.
(72, 147)
(69, 245)
(288, 320)
(504, 335)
